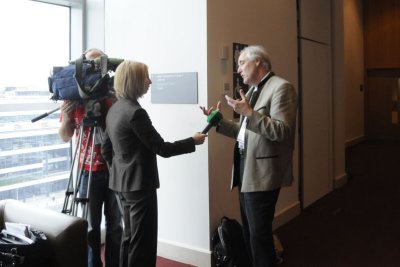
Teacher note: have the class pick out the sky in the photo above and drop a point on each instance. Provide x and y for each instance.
(34, 37)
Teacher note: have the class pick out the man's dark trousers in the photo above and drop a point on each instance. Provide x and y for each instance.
(257, 213)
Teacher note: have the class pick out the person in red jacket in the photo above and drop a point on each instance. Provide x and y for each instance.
(100, 196)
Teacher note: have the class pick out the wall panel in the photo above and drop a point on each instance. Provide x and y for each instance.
(382, 33)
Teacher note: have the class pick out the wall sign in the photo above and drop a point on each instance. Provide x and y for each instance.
(174, 88)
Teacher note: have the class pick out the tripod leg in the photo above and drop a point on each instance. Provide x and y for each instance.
(80, 198)
(69, 193)
(92, 136)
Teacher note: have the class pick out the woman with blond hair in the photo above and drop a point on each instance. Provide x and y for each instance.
(131, 149)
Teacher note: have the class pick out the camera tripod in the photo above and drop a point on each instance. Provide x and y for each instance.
(75, 200)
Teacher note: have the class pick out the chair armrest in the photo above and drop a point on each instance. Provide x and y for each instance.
(67, 234)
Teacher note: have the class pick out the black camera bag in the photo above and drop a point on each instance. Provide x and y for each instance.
(79, 80)
(13, 252)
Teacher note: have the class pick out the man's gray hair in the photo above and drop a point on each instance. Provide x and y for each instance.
(257, 51)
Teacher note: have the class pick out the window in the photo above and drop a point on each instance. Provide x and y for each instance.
(34, 161)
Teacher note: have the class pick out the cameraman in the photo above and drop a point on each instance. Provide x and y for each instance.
(72, 114)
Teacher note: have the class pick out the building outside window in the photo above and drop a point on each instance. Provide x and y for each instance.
(34, 161)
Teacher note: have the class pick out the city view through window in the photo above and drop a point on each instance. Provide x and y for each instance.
(34, 161)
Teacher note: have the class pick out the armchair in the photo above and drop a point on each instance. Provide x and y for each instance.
(67, 235)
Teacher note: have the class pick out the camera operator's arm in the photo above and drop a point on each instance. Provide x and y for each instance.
(67, 128)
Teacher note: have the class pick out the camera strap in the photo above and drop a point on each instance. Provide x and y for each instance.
(78, 73)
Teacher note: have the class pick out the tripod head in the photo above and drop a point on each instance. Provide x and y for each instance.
(92, 121)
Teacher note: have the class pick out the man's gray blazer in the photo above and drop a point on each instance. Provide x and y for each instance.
(269, 138)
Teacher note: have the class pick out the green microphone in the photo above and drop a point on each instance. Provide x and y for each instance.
(213, 119)
(107, 62)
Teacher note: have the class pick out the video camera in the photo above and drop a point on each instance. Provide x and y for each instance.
(83, 79)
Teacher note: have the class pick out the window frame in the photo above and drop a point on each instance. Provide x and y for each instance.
(76, 39)
(77, 33)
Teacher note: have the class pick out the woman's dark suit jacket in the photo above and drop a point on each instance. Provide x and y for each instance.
(131, 146)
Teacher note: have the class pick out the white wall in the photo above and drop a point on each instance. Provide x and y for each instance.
(94, 24)
(170, 36)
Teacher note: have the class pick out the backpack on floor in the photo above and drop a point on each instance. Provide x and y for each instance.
(229, 248)
(228, 245)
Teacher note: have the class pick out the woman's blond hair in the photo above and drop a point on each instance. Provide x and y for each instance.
(129, 80)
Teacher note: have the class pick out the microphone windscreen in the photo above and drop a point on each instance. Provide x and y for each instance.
(214, 118)
(115, 61)
(112, 63)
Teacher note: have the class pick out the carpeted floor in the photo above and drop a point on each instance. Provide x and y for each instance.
(357, 224)
(162, 262)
